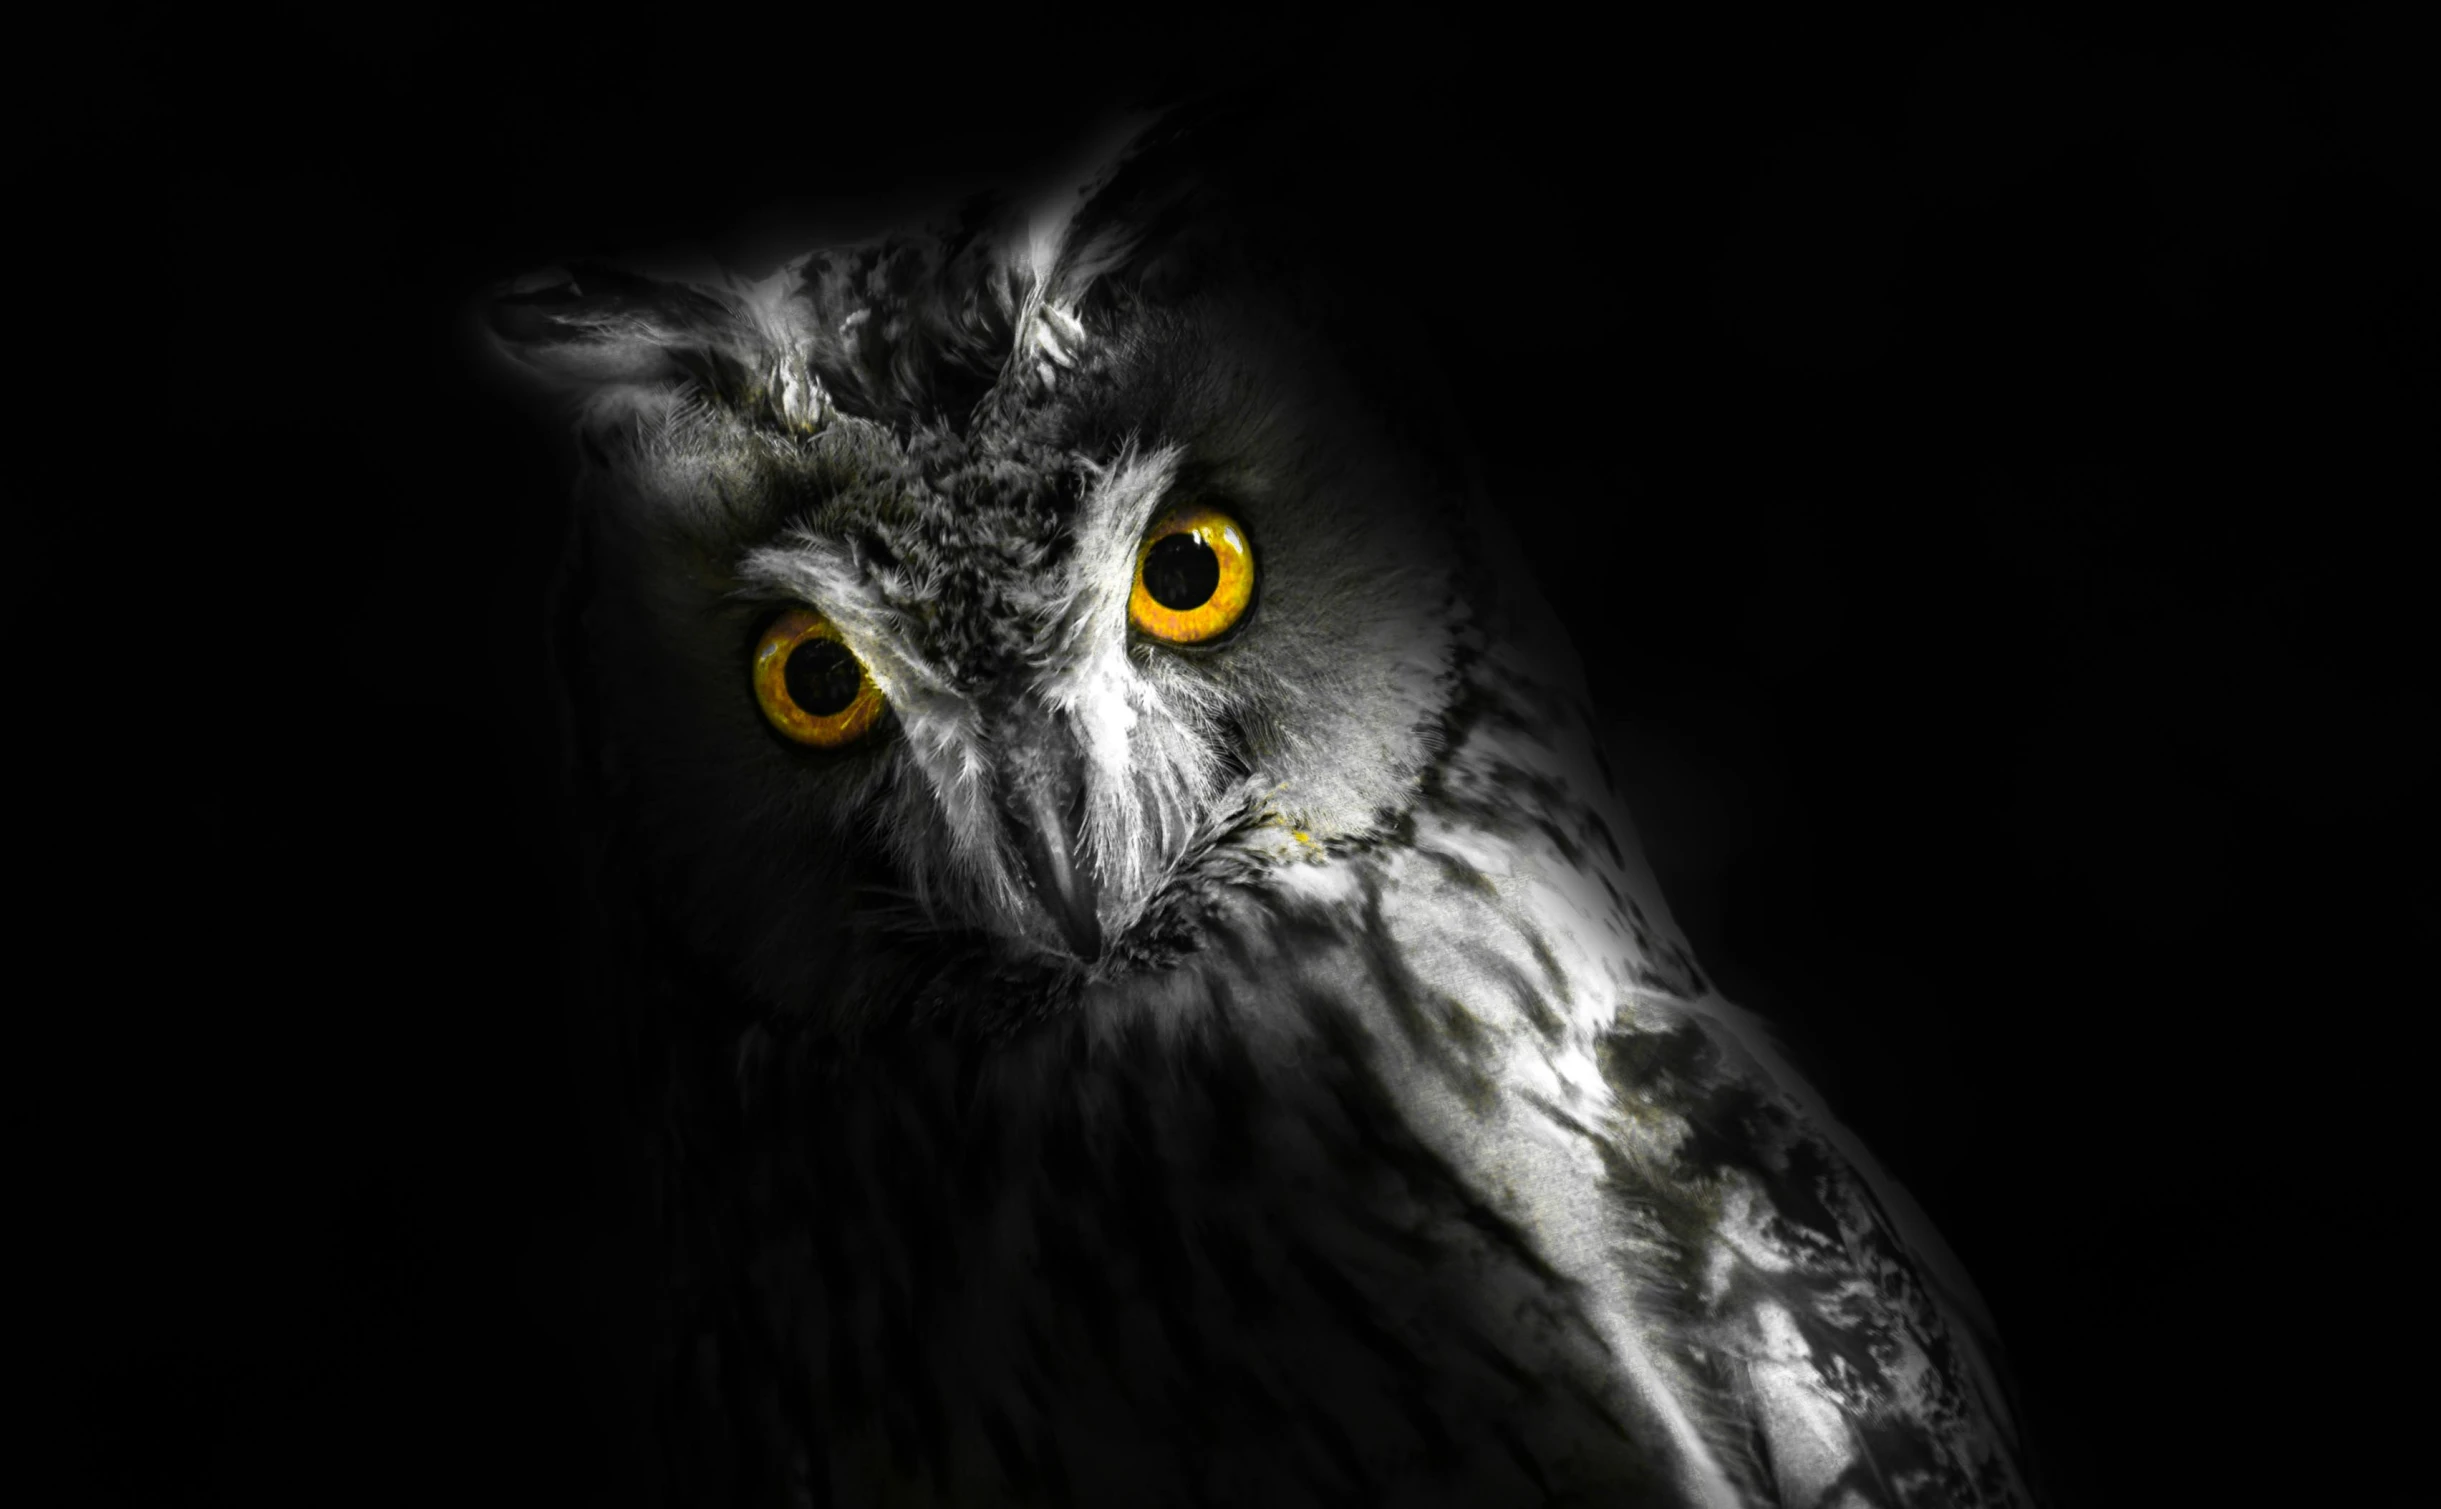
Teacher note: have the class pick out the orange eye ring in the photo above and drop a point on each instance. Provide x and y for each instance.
(808, 696)
(1199, 587)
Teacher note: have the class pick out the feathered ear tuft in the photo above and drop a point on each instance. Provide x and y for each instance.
(587, 331)
(1217, 189)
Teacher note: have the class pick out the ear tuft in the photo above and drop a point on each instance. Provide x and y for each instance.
(593, 325)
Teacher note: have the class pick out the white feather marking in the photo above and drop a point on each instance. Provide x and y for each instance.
(1810, 1445)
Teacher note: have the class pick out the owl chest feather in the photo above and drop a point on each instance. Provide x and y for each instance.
(1363, 1202)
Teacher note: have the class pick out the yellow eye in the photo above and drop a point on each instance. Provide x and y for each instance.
(811, 685)
(1194, 576)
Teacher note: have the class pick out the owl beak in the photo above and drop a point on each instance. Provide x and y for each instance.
(1045, 807)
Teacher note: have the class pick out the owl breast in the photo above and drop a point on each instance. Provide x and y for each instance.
(1394, 1189)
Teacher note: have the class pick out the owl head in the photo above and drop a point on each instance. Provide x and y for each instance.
(1007, 590)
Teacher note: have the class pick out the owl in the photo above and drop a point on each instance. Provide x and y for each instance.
(1151, 992)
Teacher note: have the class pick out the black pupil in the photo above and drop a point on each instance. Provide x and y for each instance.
(1181, 572)
(823, 677)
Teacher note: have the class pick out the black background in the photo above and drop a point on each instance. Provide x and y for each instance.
(1979, 458)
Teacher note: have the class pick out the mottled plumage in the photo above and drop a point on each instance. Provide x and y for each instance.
(1371, 1138)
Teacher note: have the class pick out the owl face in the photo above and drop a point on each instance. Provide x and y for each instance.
(1163, 611)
